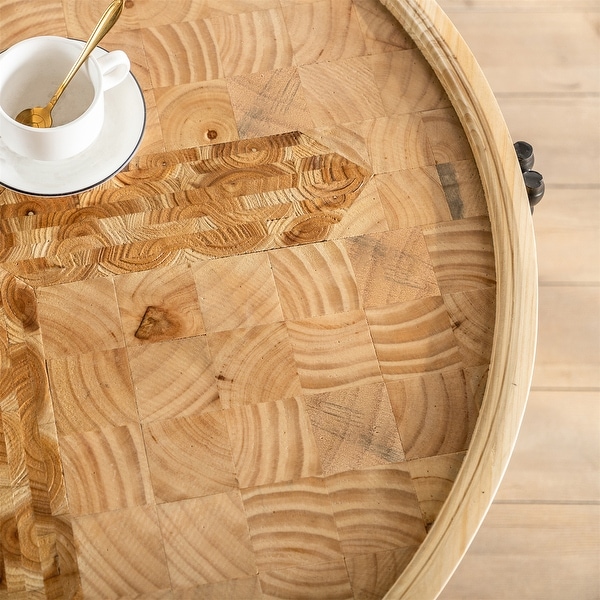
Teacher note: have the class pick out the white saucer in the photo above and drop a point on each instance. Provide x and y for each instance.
(124, 124)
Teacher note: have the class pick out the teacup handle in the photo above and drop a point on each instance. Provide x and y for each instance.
(114, 67)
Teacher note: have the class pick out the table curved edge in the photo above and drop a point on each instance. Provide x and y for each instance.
(513, 351)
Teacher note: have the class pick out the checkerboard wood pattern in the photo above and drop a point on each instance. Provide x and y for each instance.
(251, 364)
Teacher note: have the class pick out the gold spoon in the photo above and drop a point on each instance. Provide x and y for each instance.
(40, 116)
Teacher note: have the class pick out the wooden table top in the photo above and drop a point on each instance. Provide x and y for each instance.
(250, 365)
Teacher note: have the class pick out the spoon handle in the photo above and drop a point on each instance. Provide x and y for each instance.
(105, 24)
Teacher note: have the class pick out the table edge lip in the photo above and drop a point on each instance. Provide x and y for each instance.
(514, 343)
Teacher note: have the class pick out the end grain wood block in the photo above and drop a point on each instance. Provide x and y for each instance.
(407, 83)
(446, 136)
(196, 114)
(272, 442)
(302, 516)
(248, 588)
(330, 105)
(139, 565)
(269, 103)
(365, 216)
(435, 413)
(311, 27)
(79, 317)
(173, 379)
(410, 148)
(217, 522)
(252, 42)
(19, 24)
(413, 337)
(433, 478)
(334, 352)
(237, 292)
(81, 20)
(381, 33)
(165, 12)
(182, 53)
(92, 391)
(106, 469)
(317, 580)
(366, 507)
(254, 365)
(159, 305)
(462, 188)
(372, 575)
(472, 240)
(314, 280)
(354, 428)
(402, 195)
(176, 447)
(392, 267)
(472, 314)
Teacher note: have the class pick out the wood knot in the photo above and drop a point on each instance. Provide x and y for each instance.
(211, 134)
(157, 324)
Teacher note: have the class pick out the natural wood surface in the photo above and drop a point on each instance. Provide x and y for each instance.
(541, 538)
(516, 311)
(252, 364)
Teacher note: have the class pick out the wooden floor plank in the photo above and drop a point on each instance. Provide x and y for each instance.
(520, 6)
(557, 456)
(564, 135)
(531, 552)
(566, 233)
(568, 354)
(534, 52)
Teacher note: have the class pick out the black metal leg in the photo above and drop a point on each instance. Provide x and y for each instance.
(534, 182)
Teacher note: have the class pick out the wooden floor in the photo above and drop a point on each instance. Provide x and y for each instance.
(541, 538)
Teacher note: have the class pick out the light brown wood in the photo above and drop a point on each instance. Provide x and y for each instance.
(566, 238)
(569, 357)
(541, 36)
(548, 481)
(540, 6)
(533, 533)
(509, 377)
(573, 418)
(265, 348)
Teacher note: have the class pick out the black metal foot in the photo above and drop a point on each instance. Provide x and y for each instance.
(534, 182)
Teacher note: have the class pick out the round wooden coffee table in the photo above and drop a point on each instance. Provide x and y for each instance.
(285, 352)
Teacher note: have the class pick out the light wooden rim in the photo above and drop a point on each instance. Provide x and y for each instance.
(513, 349)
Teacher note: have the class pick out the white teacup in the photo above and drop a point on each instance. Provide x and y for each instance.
(31, 71)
